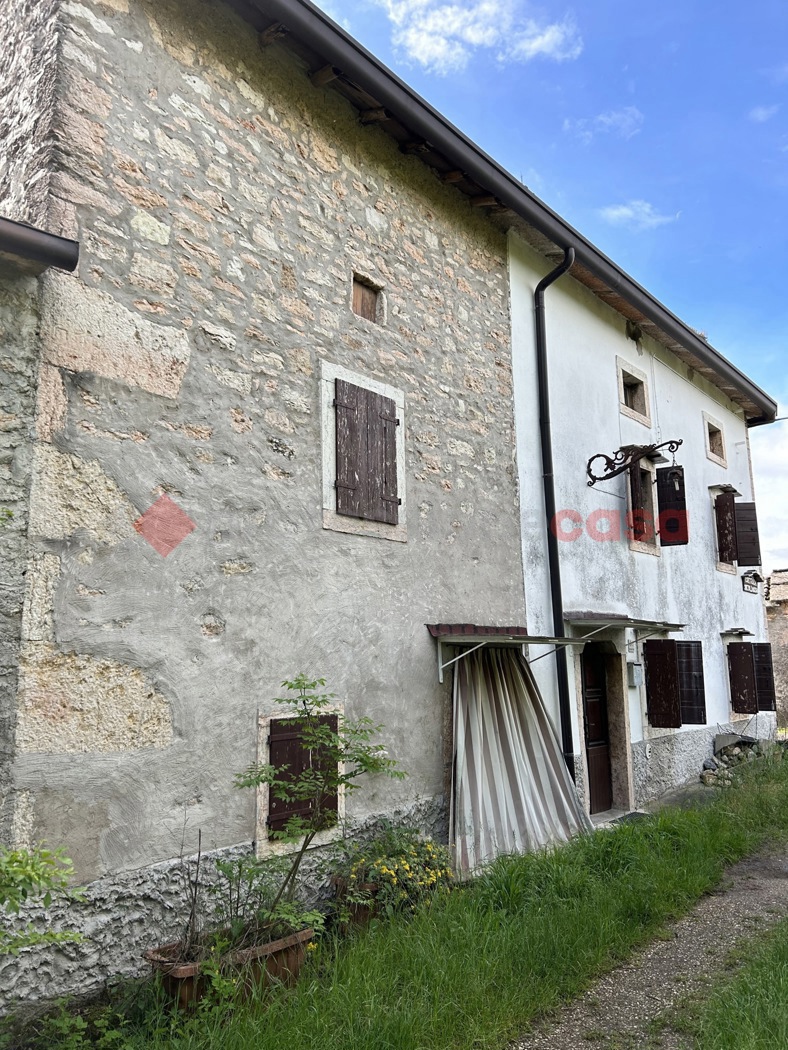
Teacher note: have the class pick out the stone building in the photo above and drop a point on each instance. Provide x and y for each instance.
(281, 248)
(777, 617)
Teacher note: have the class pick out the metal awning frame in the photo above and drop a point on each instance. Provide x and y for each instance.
(476, 642)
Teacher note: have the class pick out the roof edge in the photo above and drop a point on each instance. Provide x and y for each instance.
(323, 35)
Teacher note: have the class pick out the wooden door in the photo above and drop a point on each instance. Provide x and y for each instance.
(600, 787)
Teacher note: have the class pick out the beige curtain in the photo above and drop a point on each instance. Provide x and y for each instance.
(511, 792)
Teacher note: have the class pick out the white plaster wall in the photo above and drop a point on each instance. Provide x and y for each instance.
(680, 585)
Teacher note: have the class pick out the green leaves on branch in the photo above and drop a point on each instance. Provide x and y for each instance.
(27, 875)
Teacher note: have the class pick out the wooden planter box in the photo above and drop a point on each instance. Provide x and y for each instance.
(277, 962)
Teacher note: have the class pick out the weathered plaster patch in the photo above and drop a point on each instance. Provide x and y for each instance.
(42, 575)
(23, 820)
(85, 330)
(70, 703)
(69, 493)
(52, 404)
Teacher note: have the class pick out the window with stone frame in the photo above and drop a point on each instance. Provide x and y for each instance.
(363, 454)
(366, 454)
(737, 531)
(675, 687)
(751, 677)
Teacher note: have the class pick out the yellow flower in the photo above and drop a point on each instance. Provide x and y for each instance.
(311, 946)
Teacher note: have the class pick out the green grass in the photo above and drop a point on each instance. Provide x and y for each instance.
(749, 1012)
(474, 968)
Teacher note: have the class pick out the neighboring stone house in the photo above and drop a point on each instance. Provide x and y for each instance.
(281, 249)
(777, 617)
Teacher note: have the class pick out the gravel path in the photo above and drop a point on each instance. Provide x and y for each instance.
(617, 1011)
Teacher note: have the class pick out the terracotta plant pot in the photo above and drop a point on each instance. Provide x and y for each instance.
(358, 914)
(277, 962)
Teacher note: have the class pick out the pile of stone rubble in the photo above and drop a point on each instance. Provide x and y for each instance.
(731, 750)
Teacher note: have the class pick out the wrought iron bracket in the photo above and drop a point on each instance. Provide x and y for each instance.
(623, 459)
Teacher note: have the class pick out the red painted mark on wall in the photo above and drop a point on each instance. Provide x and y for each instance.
(164, 525)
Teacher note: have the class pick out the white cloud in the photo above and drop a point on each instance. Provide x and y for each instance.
(777, 74)
(624, 122)
(769, 446)
(760, 114)
(443, 36)
(637, 215)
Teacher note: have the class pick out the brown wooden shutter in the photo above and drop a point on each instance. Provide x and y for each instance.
(638, 502)
(672, 503)
(285, 748)
(662, 683)
(692, 692)
(764, 676)
(725, 511)
(351, 445)
(382, 420)
(741, 669)
(748, 547)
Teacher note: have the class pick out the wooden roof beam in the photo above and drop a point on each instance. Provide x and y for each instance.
(324, 75)
(374, 116)
(275, 31)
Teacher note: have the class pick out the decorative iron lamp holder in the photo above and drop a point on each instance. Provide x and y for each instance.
(625, 457)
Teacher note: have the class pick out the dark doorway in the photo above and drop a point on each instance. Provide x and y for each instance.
(597, 734)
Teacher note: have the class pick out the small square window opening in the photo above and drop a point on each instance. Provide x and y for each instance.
(634, 394)
(716, 445)
(365, 300)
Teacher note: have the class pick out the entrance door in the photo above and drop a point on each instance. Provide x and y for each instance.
(596, 728)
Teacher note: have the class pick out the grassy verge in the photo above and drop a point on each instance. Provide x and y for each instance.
(750, 1011)
(474, 968)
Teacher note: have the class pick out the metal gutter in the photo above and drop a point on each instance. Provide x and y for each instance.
(324, 36)
(35, 250)
(548, 481)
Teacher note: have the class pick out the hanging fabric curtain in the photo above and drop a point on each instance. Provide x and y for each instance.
(512, 792)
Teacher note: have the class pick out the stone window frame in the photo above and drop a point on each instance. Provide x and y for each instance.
(264, 846)
(624, 368)
(329, 373)
(709, 424)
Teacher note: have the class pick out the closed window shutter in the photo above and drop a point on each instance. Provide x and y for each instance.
(662, 683)
(748, 547)
(382, 418)
(351, 448)
(725, 511)
(741, 669)
(764, 676)
(285, 748)
(637, 497)
(692, 691)
(366, 448)
(672, 503)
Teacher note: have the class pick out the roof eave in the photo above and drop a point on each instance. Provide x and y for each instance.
(307, 23)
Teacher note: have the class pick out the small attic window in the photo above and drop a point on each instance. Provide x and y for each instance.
(366, 299)
(715, 441)
(633, 393)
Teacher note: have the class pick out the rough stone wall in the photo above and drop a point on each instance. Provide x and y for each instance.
(28, 62)
(665, 762)
(120, 916)
(223, 205)
(18, 365)
(777, 618)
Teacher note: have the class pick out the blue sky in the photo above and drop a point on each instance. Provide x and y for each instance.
(660, 131)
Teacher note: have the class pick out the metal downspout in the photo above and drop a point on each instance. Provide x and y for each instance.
(549, 503)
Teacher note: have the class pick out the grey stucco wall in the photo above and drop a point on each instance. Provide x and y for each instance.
(28, 62)
(665, 762)
(223, 205)
(18, 367)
